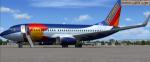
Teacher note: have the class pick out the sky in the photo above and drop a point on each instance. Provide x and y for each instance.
(13, 12)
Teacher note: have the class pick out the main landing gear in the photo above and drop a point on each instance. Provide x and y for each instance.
(20, 44)
(77, 45)
(64, 46)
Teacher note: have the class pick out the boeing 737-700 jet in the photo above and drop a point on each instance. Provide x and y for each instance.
(68, 34)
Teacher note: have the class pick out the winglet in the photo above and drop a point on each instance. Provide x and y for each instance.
(135, 26)
(146, 22)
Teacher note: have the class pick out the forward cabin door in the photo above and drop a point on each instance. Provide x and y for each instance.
(23, 29)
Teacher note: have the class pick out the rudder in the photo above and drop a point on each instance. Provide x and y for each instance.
(114, 16)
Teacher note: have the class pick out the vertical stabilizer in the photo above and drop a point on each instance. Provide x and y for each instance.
(114, 16)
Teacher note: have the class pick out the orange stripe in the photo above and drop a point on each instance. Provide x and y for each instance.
(115, 18)
(117, 23)
(113, 13)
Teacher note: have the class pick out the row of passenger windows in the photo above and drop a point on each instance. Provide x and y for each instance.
(79, 30)
(72, 30)
(65, 30)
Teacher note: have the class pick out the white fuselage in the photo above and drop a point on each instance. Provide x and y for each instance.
(61, 32)
(67, 32)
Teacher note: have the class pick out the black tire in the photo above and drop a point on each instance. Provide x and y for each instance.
(20, 44)
(64, 46)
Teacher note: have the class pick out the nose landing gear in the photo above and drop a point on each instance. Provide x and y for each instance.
(20, 44)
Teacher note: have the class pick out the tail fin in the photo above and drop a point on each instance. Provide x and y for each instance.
(114, 16)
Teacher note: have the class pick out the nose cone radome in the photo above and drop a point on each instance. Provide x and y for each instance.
(0, 34)
(3, 34)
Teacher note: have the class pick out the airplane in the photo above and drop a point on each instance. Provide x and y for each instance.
(68, 34)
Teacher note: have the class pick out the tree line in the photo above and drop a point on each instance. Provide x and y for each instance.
(110, 42)
(126, 42)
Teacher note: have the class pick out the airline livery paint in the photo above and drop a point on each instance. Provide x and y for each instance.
(67, 34)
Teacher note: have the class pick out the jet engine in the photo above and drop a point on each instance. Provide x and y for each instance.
(68, 41)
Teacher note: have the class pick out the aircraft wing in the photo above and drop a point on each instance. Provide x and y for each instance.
(135, 26)
(101, 34)
(94, 35)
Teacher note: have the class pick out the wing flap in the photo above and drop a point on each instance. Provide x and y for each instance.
(94, 35)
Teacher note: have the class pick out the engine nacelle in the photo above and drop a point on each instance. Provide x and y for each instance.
(68, 41)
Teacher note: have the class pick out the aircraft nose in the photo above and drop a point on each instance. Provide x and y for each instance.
(3, 33)
(0, 34)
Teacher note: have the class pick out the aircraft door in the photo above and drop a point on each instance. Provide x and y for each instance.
(23, 29)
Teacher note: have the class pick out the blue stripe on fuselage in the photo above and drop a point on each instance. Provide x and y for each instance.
(16, 28)
(66, 26)
(63, 25)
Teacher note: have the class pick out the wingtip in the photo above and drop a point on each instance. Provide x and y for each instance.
(146, 22)
(148, 16)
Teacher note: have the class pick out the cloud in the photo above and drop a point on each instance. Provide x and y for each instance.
(137, 33)
(128, 19)
(146, 13)
(65, 19)
(68, 3)
(15, 13)
(83, 18)
(6, 10)
(22, 16)
(1, 29)
(77, 19)
(63, 22)
(148, 25)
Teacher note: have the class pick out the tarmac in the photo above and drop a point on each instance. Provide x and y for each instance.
(102, 54)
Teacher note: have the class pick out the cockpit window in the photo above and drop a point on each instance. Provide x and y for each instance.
(15, 28)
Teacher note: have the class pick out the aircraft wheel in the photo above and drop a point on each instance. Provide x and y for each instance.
(20, 44)
(64, 46)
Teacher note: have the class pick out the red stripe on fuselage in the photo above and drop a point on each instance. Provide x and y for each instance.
(36, 25)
